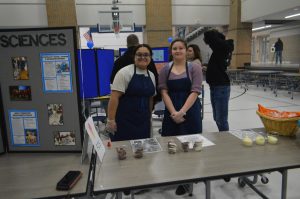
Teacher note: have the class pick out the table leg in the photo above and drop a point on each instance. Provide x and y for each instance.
(284, 184)
(207, 189)
(250, 184)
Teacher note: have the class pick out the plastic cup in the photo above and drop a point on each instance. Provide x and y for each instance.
(198, 145)
(185, 146)
(138, 152)
(121, 151)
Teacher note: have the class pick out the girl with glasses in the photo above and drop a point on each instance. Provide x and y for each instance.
(131, 101)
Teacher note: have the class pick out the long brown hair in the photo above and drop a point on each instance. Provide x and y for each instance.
(197, 52)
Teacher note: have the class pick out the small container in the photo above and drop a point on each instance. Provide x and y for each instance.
(272, 137)
(198, 145)
(138, 153)
(247, 141)
(260, 140)
(185, 146)
(172, 147)
(121, 151)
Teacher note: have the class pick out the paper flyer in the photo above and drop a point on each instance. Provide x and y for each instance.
(195, 137)
(93, 134)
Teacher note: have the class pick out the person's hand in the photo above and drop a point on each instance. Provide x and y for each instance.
(111, 126)
(178, 117)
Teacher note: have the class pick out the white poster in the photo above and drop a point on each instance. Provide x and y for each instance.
(56, 72)
(93, 134)
(24, 128)
(149, 145)
(194, 138)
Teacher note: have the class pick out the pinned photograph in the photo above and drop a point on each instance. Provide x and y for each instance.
(31, 136)
(62, 67)
(55, 114)
(20, 93)
(64, 138)
(20, 68)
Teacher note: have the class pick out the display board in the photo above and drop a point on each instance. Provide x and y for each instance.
(87, 73)
(160, 54)
(105, 60)
(160, 57)
(2, 125)
(95, 67)
(39, 89)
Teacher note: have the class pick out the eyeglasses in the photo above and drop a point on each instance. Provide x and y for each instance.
(141, 55)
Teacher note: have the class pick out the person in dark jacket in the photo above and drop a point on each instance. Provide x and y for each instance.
(128, 58)
(278, 51)
(217, 77)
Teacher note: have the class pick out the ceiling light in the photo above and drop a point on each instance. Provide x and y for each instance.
(262, 27)
(290, 16)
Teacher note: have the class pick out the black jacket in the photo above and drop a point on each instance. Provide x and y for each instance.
(128, 58)
(216, 70)
(278, 46)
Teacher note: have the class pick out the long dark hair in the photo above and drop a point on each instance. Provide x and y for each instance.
(197, 52)
(142, 45)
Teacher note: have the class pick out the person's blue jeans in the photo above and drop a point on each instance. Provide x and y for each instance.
(278, 55)
(219, 97)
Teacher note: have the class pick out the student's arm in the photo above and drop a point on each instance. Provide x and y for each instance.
(113, 103)
(189, 102)
(167, 100)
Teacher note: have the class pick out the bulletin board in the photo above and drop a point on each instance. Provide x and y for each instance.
(39, 90)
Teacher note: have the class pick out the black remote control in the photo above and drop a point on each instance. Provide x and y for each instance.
(68, 181)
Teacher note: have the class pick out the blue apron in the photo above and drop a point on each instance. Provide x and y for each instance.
(133, 115)
(179, 90)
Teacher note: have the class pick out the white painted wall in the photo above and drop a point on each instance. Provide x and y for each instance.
(18, 13)
(204, 12)
(253, 9)
(32, 13)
